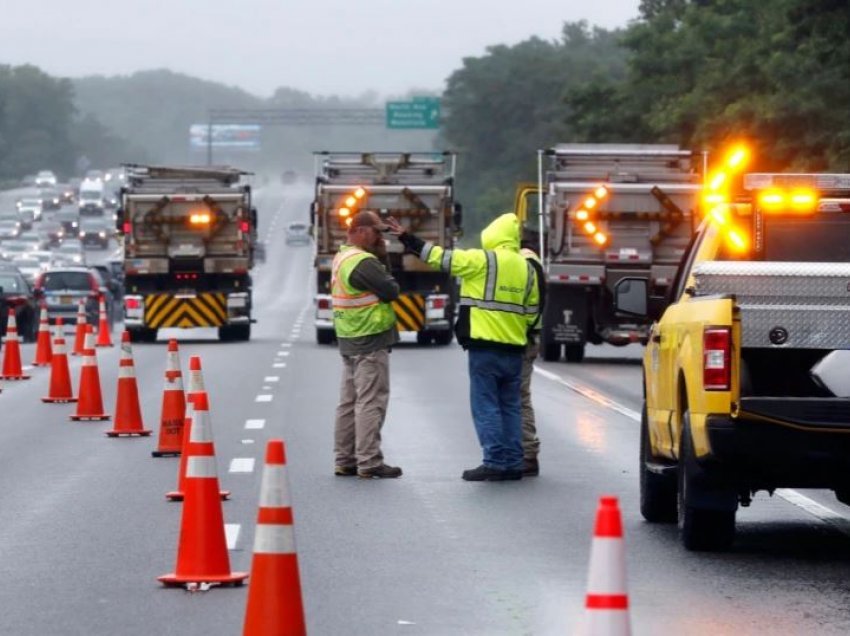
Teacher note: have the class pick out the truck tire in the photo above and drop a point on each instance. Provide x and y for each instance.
(701, 528)
(324, 336)
(658, 503)
(574, 352)
(443, 338)
(142, 334)
(234, 333)
(551, 351)
(424, 338)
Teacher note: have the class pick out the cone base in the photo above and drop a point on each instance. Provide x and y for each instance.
(41, 364)
(13, 378)
(58, 400)
(176, 495)
(109, 344)
(90, 418)
(234, 578)
(166, 453)
(119, 433)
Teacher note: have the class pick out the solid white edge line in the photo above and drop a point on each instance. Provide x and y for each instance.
(794, 497)
(231, 532)
(241, 465)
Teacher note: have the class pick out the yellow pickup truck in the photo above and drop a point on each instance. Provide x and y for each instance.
(747, 370)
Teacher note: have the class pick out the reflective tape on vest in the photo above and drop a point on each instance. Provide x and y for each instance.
(202, 467)
(360, 300)
(493, 305)
(274, 489)
(274, 539)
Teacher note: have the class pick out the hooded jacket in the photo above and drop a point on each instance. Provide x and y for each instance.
(498, 293)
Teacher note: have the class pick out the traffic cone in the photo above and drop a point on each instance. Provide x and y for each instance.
(607, 601)
(202, 548)
(90, 401)
(60, 376)
(173, 406)
(196, 387)
(80, 331)
(12, 369)
(128, 413)
(43, 349)
(274, 605)
(104, 337)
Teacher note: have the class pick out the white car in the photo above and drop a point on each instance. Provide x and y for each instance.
(45, 178)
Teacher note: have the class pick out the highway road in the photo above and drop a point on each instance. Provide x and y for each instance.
(85, 528)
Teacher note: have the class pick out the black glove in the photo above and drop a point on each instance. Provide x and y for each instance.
(412, 244)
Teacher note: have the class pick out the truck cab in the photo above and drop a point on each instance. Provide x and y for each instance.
(745, 372)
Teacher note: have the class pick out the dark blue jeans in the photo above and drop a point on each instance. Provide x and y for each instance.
(494, 394)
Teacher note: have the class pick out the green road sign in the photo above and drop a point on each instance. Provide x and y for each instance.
(422, 112)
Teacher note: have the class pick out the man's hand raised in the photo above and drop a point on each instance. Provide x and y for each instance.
(393, 226)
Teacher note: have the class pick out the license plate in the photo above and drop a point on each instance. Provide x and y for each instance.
(66, 300)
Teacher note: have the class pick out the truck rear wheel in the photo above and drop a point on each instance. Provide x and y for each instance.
(443, 338)
(234, 333)
(657, 490)
(574, 352)
(702, 528)
(142, 334)
(551, 351)
(424, 338)
(324, 336)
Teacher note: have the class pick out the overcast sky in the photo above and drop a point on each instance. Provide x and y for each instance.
(320, 46)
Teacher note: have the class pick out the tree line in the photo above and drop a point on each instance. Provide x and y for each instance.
(698, 73)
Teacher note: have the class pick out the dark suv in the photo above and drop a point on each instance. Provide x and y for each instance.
(15, 293)
(63, 288)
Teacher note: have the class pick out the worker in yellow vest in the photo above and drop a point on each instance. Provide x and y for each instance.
(364, 321)
(498, 305)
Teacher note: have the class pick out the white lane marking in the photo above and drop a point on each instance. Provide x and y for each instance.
(271, 378)
(590, 394)
(285, 344)
(242, 465)
(231, 532)
(282, 354)
(247, 441)
(263, 398)
(266, 388)
(794, 497)
(254, 424)
(279, 365)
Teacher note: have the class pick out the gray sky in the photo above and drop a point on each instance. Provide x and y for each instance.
(322, 46)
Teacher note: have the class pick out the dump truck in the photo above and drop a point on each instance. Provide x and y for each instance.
(609, 211)
(418, 190)
(747, 373)
(189, 235)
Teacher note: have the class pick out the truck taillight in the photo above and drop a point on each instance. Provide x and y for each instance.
(324, 303)
(438, 303)
(244, 227)
(132, 303)
(717, 358)
(126, 227)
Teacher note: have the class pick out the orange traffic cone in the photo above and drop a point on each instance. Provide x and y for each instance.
(274, 596)
(80, 333)
(196, 387)
(60, 376)
(607, 601)
(128, 413)
(202, 548)
(104, 338)
(12, 369)
(173, 406)
(90, 402)
(43, 350)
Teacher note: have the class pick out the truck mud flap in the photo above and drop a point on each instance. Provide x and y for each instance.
(203, 310)
(565, 316)
(409, 312)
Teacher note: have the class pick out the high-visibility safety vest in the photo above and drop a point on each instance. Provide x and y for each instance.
(356, 312)
(498, 288)
(531, 256)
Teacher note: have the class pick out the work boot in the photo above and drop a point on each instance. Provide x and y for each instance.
(379, 472)
(485, 473)
(530, 467)
(345, 471)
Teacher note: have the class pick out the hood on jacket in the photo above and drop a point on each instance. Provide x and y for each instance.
(503, 232)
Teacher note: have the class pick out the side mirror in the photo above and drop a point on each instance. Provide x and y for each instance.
(630, 296)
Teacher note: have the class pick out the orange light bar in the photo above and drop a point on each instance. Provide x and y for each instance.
(714, 198)
(804, 200)
(590, 203)
(737, 240)
(717, 181)
(360, 193)
(350, 202)
(771, 199)
(718, 215)
(601, 192)
(199, 218)
(344, 212)
(589, 227)
(348, 222)
(738, 158)
(600, 238)
(582, 215)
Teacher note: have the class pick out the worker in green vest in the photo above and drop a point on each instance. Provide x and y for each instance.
(364, 321)
(530, 440)
(498, 305)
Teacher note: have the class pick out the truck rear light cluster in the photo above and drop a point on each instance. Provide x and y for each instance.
(438, 303)
(324, 303)
(189, 276)
(717, 358)
(133, 303)
(585, 214)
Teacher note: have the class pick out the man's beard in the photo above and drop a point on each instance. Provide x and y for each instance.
(379, 248)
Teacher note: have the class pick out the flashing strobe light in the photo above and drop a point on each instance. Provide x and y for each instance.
(360, 193)
(350, 202)
(582, 215)
(601, 192)
(350, 205)
(200, 218)
(589, 227)
(600, 238)
(344, 212)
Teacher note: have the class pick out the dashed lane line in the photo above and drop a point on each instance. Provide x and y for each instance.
(231, 533)
(794, 497)
(271, 378)
(242, 465)
(279, 365)
(254, 424)
(264, 397)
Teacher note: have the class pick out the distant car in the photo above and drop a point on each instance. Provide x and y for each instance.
(111, 282)
(45, 178)
(12, 249)
(29, 210)
(51, 233)
(44, 257)
(91, 199)
(9, 229)
(32, 237)
(70, 220)
(62, 289)
(29, 266)
(16, 293)
(67, 193)
(50, 200)
(71, 251)
(94, 175)
(95, 231)
(298, 233)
